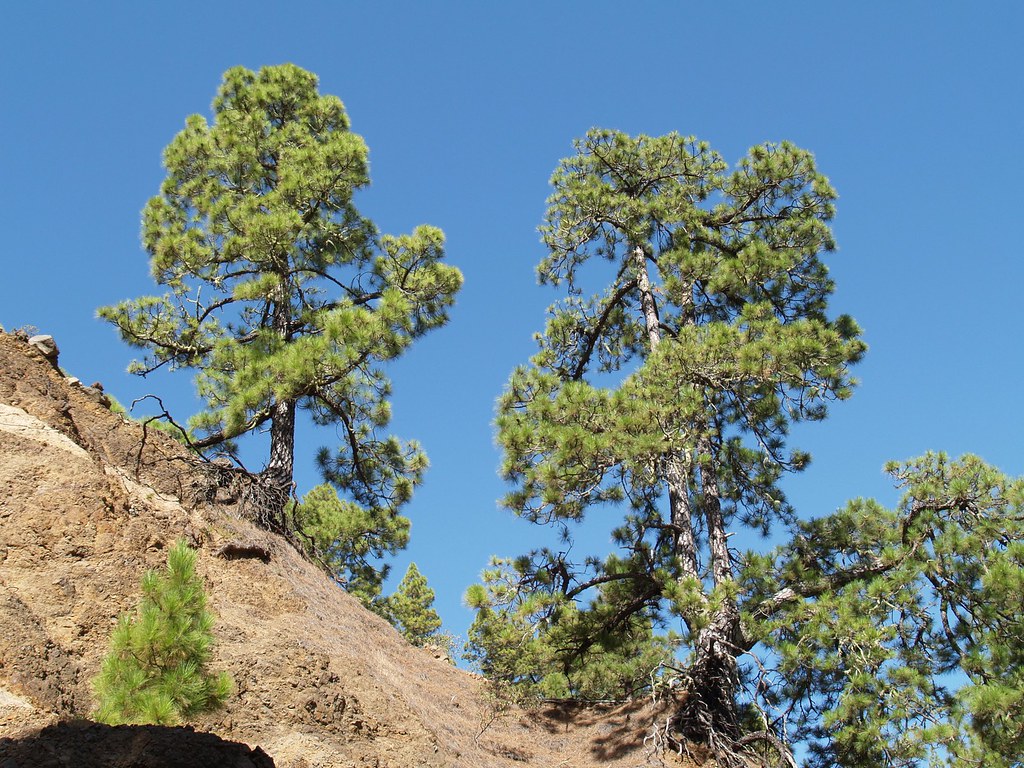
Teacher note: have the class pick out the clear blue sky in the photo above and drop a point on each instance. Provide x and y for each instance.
(914, 110)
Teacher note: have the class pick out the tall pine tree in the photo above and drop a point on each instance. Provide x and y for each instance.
(670, 391)
(279, 293)
(873, 636)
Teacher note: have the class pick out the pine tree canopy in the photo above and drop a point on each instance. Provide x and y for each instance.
(669, 392)
(894, 637)
(278, 292)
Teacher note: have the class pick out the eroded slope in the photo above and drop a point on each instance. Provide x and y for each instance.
(86, 505)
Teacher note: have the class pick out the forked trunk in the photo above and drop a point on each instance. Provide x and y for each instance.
(675, 465)
(708, 714)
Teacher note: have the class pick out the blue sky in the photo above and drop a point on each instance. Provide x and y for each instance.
(913, 109)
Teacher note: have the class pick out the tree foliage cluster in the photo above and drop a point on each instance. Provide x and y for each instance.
(872, 636)
(279, 293)
(410, 608)
(350, 540)
(285, 299)
(692, 332)
(157, 668)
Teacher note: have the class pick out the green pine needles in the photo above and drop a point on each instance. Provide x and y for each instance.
(410, 609)
(280, 295)
(350, 540)
(156, 671)
(867, 637)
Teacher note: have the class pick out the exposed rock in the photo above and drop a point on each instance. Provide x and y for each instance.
(439, 652)
(46, 346)
(97, 396)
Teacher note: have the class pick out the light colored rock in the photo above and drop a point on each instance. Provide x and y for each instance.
(11, 701)
(24, 425)
(46, 345)
(97, 396)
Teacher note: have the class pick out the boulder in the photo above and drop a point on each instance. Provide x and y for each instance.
(46, 346)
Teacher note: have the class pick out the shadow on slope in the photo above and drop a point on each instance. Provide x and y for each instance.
(84, 744)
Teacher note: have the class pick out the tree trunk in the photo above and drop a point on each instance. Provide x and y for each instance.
(679, 512)
(718, 543)
(280, 471)
(281, 466)
(647, 303)
(675, 466)
(708, 715)
(278, 476)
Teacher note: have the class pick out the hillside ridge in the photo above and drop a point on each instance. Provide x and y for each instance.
(88, 502)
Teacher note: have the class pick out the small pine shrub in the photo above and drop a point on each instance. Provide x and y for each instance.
(156, 671)
(410, 609)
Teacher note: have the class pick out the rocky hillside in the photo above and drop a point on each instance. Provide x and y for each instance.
(87, 505)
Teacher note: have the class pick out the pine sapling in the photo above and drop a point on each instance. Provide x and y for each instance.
(156, 671)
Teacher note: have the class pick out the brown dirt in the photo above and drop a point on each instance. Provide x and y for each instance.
(86, 506)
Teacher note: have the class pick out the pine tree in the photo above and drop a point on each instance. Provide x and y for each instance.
(350, 540)
(156, 671)
(894, 635)
(671, 391)
(410, 609)
(873, 636)
(506, 645)
(279, 293)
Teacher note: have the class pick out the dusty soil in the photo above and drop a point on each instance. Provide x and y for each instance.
(87, 505)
